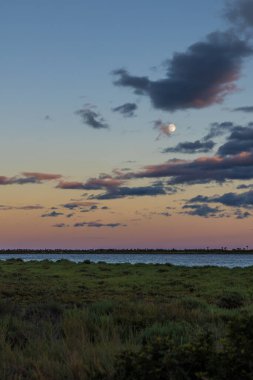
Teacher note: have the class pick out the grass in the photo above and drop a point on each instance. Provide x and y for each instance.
(61, 320)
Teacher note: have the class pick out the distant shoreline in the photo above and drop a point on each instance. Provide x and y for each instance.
(128, 251)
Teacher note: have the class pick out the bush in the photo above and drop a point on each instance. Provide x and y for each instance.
(231, 300)
(203, 359)
(177, 331)
(238, 350)
(102, 307)
(45, 311)
(163, 360)
(193, 303)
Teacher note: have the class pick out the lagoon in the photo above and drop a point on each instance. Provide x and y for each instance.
(228, 260)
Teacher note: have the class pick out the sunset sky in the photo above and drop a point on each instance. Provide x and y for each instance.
(88, 89)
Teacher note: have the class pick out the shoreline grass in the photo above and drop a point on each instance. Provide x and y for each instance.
(65, 320)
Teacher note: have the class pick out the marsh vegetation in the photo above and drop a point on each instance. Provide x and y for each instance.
(61, 320)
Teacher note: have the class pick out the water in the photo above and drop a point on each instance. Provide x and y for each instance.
(220, 260)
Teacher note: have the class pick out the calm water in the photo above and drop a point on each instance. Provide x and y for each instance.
(228, 260)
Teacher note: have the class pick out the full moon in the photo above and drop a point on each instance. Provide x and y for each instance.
(171, 128)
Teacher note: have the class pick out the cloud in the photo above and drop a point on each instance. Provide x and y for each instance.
(139, 84)
(17, 180)
(42, 176)
(79, 205)
(228, 199)
(103, 182)
(25, 208)
(6, 180)
(92, 118)
(219, 129)
(30, 207)
(127, 109)
(202, 210)
(247, 109)
(60, 225)
(5, 208)
(240, 140)
(240, 13)
(191, 147)
(243, 187)
(98, 224)
(52, 214)
(165, 214)
(70, 185)
(242, 214)
(197, 78)
(123, 192)
(29, 178)
(200, 170)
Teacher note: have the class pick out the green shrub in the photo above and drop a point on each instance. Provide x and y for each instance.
(163, 360)
(44, 311)
(230, 300)
(238, 350)
(176, 331)
(192, 303)
(102, 307)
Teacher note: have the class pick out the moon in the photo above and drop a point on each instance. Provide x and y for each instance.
(171, 128)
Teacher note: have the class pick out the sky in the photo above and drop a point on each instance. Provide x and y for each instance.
(88, 92)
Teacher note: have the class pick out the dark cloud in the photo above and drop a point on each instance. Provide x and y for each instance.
(28, 178)
(201, 210)
(70, 185)
(139, 84)
(247, 109)
(52, 214)
(191, 147)
(42, 176)
(5, 208)
(127, 109)
(123, 192)
(25, 208)
(60, 225)
(197, 78)
(23, 180)
(79, 205)
(200, 170)
(92, 118)
(98, 224)
(243, 187)
(228, 199)
(234, 200)
(240, 13)
(16, 180)
(242, 214)
(4, 180)
(165, 214)
(30, 207)
(10, 181)
(240, 140)
(219, 129)
(103, 182)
